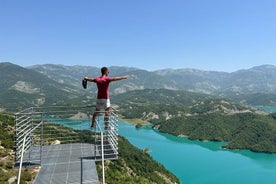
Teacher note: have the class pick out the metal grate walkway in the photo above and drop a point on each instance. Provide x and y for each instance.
(68, 163)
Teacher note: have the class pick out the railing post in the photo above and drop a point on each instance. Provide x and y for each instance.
(41, 138)
(15, 138)
(21, 161)
(102, 158)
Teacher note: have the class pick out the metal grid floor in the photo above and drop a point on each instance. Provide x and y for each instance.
(67, 163)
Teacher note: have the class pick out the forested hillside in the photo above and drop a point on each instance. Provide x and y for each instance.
(22, 88)
(242, 131)
(203, 118)
(6, 152)
(159, 105)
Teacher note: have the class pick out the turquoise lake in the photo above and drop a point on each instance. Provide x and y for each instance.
(196, 162)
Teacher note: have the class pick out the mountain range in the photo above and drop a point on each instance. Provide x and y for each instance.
(259, 79)
(51, 84)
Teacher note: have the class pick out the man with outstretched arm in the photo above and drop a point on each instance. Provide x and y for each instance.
(103, 100)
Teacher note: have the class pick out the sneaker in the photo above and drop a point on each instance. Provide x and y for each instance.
(108, 128)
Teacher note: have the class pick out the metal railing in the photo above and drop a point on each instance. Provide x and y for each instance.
(23, 150)
(36, 128)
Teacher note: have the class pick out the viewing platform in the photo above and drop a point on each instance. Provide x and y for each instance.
(60, 141)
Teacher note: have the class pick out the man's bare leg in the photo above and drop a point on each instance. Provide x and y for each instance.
(94, 118)
(106, 118)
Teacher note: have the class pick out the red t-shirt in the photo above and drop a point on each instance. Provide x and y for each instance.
(102, 84)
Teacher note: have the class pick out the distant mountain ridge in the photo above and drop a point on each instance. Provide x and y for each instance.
(259, 79)
(58, 84)
(139, 79)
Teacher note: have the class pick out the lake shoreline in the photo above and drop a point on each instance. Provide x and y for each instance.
(136, 121)
(186, 157)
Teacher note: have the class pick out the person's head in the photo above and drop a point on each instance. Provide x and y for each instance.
(104, 70)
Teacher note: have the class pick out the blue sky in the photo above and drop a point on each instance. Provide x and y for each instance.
(217, 35)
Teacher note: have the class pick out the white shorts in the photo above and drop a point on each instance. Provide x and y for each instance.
(102, 104)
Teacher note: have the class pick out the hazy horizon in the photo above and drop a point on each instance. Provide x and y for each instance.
(139, 68)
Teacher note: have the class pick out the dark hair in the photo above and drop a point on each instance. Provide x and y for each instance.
(104, 70)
